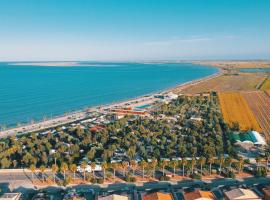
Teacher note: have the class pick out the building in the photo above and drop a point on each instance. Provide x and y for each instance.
(241, 194)
(199, 195)
(252, 137)
(10, 196)
(157, 196)
(113, 197)
(266, 192)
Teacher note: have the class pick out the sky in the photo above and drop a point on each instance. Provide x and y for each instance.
(134, 29)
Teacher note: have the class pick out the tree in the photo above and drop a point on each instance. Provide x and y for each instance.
(193, 163)
(221, 162)
(202, 161)
(104, 166)
(133, 165)
(114, 167)
(184, 163)
(83, 167)
(64, 168)
(124, 166)
(163, 164)
(267, 158)
(174, 164)
(73, 168)
(154, 165)
(54, 171)
(241, 162)
(258, 161)
(33, 169)
(93, 167)
(42, 170)
(230, 161)
(143, 165)
(210, 161)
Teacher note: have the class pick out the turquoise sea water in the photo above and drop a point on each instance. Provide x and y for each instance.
(31, 92)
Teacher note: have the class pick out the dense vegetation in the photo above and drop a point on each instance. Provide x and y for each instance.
(186, 127)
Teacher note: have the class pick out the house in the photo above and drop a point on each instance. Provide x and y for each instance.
(199, 195)
(266, 192)
(241, 194)
(113, 197)
(157, 196)
(10, 196)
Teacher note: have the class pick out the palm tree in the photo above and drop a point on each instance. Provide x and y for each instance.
(267, 158)
(93, 167)
(33, 169)
(114, 167)
(163, 164)
(230, 161)
(104, 166)
(154, 165)
(42, 170)
(210, 161)
(64, 168)
(174, 164)
(73, 168)
(193, 163)
(221, 162)
(124, 166)
(241, 162)
(202, 161)
(54, 171)
(133, 165)
(83, 166)
(258, 161)
(184, 163)
(143, 165)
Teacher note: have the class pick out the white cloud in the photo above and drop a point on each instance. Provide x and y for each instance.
(188, 40)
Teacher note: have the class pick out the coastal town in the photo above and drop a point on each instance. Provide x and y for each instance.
(135, 100)
(167, 145)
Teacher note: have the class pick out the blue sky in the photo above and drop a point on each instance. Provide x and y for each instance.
(134, 29)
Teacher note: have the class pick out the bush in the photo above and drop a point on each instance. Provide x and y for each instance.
(164, 178)
(228, 174)
(130, 179)
(196, 176)
(261, 172)
(100, 180)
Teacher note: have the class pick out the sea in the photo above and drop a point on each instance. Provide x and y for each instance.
(33, 93)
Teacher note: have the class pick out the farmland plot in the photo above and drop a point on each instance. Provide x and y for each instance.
(235, 109)
(259, 102)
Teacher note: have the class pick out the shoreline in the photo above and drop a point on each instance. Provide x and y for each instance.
(82, 114)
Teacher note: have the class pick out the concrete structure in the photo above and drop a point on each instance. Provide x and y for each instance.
(157, 196)
(10, 196)
(199, 195)
(241, 194)
(114, 197)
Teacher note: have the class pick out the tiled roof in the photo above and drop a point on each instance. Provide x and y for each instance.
(158, 196)
(199, 194)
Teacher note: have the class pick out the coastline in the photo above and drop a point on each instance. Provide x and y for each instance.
(82, 114)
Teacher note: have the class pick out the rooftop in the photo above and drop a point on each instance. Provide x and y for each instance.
(240, 194)
(157, 196)
(199, 194)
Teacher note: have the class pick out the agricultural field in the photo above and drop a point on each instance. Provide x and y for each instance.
(235, 109)
(236, 64)
(227, 83)
(266, 84)
(259, 102)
